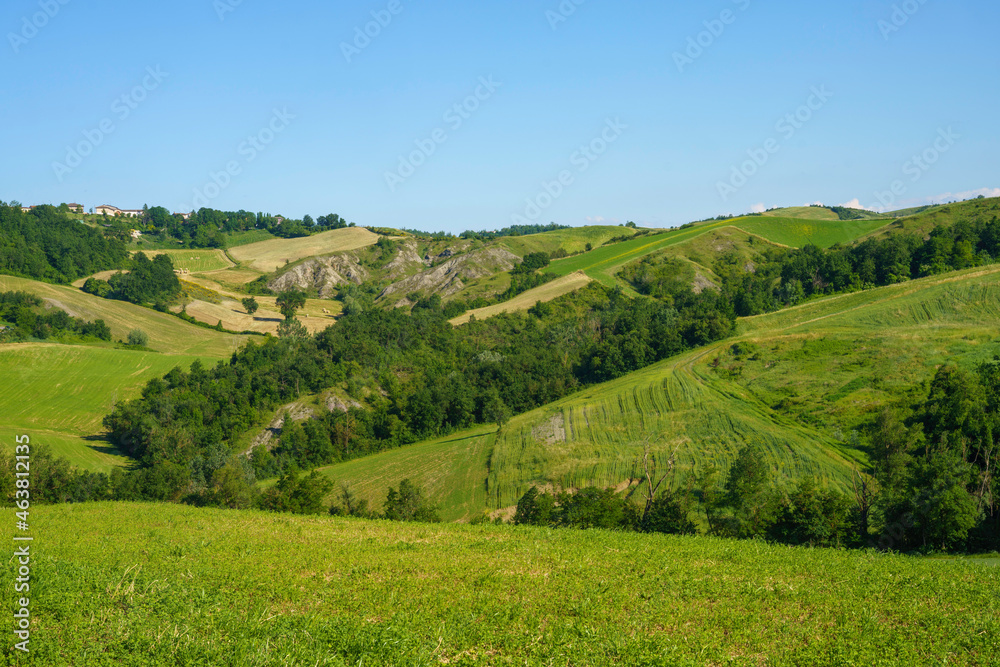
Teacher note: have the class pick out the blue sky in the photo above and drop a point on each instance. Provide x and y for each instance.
(572, 112)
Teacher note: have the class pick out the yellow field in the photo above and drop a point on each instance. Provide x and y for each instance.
(267, 318)
(267, 256)
(526, 300)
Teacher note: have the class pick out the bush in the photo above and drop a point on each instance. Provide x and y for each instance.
(138, 338)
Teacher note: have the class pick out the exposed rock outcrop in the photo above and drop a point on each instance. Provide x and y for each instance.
(446, 278)
(323, 274)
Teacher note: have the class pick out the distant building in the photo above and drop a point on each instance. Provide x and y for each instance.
(278, 219)
(76, 208)
(108, 209)
(25, 209)
(185, 216)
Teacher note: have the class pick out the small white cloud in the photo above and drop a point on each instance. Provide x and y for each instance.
(815, 203)
(758, 208)
(854, 203)
(601, 220)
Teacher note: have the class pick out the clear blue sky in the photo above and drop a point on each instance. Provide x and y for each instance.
(673, 130)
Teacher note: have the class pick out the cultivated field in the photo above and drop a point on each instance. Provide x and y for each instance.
(806, 212)
(132, 584)
(266, 256)
(570, 240)
(526, 300)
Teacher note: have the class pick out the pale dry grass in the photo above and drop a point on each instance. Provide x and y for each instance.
(526, 300)
(267, 256)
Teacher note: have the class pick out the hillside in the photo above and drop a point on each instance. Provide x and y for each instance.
(814, 374)
(133, 584)
(266, 256)
(58, 394)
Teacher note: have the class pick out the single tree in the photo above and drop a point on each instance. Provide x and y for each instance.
(250, 305)
(289, 301)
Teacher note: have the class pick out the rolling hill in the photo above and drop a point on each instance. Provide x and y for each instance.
(813, 375)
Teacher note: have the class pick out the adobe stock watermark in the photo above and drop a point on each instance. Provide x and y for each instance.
(454, 117)
(363, 37)
(916, 167)
(121, 109)
(582, 159)
(223, 7)
(787, 126)
(901, 15)
(248, 150)
(30, 25)
(562, 13)
(698, 44)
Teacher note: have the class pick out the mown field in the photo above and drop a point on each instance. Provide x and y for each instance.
(547, 292)
(149, 585)
(814, 375)
(266, 256)
(58, 394)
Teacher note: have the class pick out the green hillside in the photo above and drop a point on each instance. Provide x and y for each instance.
(602, 263)
(150, 585)
(814, 374)
(58, 394)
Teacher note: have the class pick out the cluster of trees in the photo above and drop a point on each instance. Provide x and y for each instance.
(513, 230)
(47, 244)
(24, 318)
(148, 281)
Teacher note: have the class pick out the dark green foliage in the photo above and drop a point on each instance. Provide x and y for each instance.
(409, 504)
(590, 507)
(46, 244)
(289, 301)
(514, 230)
(297, 494)
(250, 305)
(668, 513)
(813, 516)
(148, 281)
(750, 494)
(532, 262)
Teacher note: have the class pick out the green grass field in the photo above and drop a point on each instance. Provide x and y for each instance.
(150, 585)
(806, 212)
(195, 261)
(821, 371)
(58, 395)
(570, 240)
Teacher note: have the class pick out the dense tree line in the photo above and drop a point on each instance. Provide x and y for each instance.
(24, 318)
(47, 244)
(513, 230)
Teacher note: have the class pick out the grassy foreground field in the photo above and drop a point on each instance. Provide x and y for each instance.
(148, 585)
